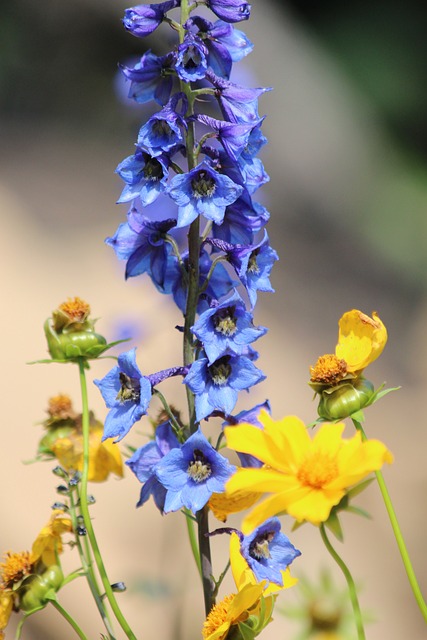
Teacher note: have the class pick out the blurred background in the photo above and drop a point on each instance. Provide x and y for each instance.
(347, 157)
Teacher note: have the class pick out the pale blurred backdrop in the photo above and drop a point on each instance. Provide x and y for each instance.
(347, 158)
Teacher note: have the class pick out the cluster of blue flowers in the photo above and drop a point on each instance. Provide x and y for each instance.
(195, 163)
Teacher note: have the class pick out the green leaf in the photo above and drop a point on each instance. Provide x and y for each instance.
(334, 526)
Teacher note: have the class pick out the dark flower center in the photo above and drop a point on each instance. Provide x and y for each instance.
(153, 170)
(252, 263)
(191, 58)
(220, 371)
(199, 468)
(259, 548)
(130, 388)
(203, 185)
(161, 128)
(225, 321)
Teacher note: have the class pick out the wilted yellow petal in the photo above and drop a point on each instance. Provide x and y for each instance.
(361, 339)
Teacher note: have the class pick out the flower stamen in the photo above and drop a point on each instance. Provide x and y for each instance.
(199, 468)
(329, 369)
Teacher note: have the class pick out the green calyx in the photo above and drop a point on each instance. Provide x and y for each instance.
(345, 399)
(39, 589)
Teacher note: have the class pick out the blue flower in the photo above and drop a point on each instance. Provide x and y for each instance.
(192, 473)
(226, 328)
(148, 78)
(144, 460)
(146, 177)
(242, 221)
(230, 10)
(233, 137)
(202, 191)
(127, 393)
(225, 44)
(216, 385)
(145, 18)
(238, 104)
(191, 60)
(142, 243)
(268, 552)
(162, 132)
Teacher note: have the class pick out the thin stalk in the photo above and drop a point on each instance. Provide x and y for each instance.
(350, 582)
(189, 319)
(87, 563)
(193, 541)
(85, 509)
(69, 619)
(398, 535)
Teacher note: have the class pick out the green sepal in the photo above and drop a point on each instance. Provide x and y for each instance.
(334, 525)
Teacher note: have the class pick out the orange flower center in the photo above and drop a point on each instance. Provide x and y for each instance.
(328, 369)
(60, 406)
(15, 567)
(317, 470)
(217, 616)
(76, 309)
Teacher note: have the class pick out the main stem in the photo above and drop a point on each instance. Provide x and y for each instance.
(193, 293)
(350, 582)
(85, 508)
(398, 534)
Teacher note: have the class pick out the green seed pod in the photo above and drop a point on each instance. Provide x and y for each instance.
(337, 403)
(34, 595)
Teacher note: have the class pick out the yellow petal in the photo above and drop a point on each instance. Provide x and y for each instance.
(222, 504)
(361, 339)
(259, 480)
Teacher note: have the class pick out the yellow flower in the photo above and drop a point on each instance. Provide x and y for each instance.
(49, 542)
(361, 340)
(6, 606)
(243, 574)
(305, 476)
(223, 505)
(104, 457)
(232, 610)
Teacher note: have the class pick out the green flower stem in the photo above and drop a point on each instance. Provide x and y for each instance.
(189, 319)
(87, 563)
(85, 508)
(68, 618)
(350, 582)
(205, 558)
(398, 534)
(193, 541)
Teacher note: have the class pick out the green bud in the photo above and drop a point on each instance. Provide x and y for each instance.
(37, 589)
(73, 344)
(53, 577)
(341, 401)
(49, 439)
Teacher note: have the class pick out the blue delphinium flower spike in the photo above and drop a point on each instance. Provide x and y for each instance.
(226, 328)
(143, 461)
(127, 393)
(216, 386)
(268, 552)
(192, 473)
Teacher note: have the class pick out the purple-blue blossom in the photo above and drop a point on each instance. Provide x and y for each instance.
(216, 386)
(202, 191)
(226, 327)
(192, 473)
(144, 461)
(127, 393)
(163, 131)
(145, 18)
(148, 78)
(145, 177)
(268, 551)
(230, 10)
(191, 59)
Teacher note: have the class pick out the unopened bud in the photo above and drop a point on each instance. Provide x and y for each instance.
(341, 401)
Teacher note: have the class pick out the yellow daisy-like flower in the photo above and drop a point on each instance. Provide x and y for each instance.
(222, 505)
(49, 542)
(361, 339)
(305, 476)
(233, 609)
(104, 457)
